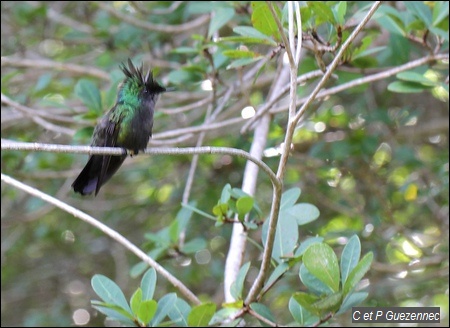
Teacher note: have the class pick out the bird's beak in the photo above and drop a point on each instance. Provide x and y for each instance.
(171, 89)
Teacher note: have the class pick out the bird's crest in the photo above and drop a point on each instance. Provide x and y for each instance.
(136, 74)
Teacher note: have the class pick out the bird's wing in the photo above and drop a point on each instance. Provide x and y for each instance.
(111, 131)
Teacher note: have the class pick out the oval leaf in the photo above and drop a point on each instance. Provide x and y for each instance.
(244, 205)
(135, 301)
(165, 305)
(263, 20)
(147, 310)
(148, 284)
(109, 292)
(321, 261)
(289, 197)
(350, 257)
(303, 213)
(312, 283)
(238, 285)
(201, 315)
(358, 272)
(89, 94)
(220, 18)
(179, 313)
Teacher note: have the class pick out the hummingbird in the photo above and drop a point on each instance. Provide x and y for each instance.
(128, 124)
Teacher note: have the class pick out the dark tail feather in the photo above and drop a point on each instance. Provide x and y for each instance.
(87, 181)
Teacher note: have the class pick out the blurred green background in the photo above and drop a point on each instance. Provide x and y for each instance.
(374, 161)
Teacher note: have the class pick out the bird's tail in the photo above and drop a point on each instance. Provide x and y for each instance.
(90, 180)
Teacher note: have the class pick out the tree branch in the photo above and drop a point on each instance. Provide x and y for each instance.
(108, 231)
(49, 64)
(199, 21)
(275, 209)
(54, 148)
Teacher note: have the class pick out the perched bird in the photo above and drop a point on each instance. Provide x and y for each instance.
(128, 125)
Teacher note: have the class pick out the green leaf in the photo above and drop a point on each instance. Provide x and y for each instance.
(244, 205)
(240, 54)
(392, 25)
(226, 194)
(198, 211)
(136, 300)
(303, 213)
(109, 292)
(289, 197)
(263, 311)
(263, 20)
(350, 257)
(253, 33)
(147, 310)
(276, 274)
(286, 237)
(165, 305)
(406, 87)
(43, 82)
(220, 17)
(313, 283)
(248, 40)
(243, 62)
(368, 52)
(308, 242)
(114, 312)
(179, 313)
(173, 232)
(420, 10)
(148, 284)
(303, 317)
(440, 12)
(185, 50)
(322, 11)
(358, 273)
(321, 261)
(307, 301)
(194, 245)
(184, 216)
(331, 303)
(340, 11)
(201, 315)
(138, 269)
(238, 285)
(89, 95)
(220, 210)
(352, 299)
(415, 77)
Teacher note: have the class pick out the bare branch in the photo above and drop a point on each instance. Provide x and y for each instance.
(199, 21)
(49, 64)
(108, 231)
(54, 148)
(370, 78)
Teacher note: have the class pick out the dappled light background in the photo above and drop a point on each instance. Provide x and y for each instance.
(374, 162)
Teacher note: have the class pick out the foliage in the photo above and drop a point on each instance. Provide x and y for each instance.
(363, 216)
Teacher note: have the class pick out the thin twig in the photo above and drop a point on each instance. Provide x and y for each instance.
(146, 25)
(55, 148)
(267, 106)
(49, 64)
(336, 60)
(368, 79)
(108, 231)
(274, 213)
(261, 318)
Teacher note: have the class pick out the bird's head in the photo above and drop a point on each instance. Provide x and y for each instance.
(136, 85)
